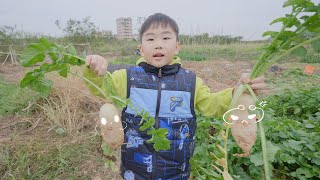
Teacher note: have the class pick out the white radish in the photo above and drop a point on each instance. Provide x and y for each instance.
(111, 126)
(244, 130)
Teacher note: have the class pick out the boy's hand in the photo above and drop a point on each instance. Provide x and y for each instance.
(258, 84)
(97, 63)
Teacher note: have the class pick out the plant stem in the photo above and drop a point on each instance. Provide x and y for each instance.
(74, 56)
(99, 89)
(262, 137)
(261, 69)
(235, 98)
(238, 93)
(91, 83)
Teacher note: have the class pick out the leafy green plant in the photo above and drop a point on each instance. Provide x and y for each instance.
(293, 148)
(311, 57)
(289, 103)
(63, 58)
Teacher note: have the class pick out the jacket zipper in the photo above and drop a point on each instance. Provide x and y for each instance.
(154, 154)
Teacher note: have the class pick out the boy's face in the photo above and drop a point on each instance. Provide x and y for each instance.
(159, 45)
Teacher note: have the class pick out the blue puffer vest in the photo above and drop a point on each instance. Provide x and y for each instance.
(168, 95)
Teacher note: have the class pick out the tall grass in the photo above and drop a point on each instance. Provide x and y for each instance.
(13, 99)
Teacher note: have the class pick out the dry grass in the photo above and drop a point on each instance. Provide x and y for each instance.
(70, 105)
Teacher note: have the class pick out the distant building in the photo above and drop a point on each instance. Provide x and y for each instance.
(124, 28)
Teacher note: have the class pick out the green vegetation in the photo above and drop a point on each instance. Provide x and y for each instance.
(13, 99)
(292, 130)
(45, 160)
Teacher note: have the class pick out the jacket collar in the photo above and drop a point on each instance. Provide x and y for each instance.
(163, 71)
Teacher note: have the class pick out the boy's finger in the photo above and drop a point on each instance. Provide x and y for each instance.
(88, 60)
(259, 79)
(259, 86)
(261, 92)
(102, 71)
(245, 78)
(97, 67)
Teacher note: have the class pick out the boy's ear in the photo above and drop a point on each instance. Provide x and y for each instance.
(141, 50)
(177, 48)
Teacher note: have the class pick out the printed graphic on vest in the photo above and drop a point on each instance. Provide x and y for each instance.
(144, 159)
(128, 175)
(134, 140)
(175, 102)
(184, 134)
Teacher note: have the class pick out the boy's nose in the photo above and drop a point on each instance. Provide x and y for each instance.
(158, 47)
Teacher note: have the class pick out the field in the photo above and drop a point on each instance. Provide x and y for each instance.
(58, 137)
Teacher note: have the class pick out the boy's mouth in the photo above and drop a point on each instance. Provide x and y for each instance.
(158, 55)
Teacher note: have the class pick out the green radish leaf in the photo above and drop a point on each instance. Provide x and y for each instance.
(285, 35)
(297, 110)
(316, 45)
(35, 53)
(45, 67)
(53, 54)
(272, 151)
(284, 20)
(151, 131)
(29, 77)
(295, 3)
(37, 83)
(270, 33)
(147, 124)
(73, 60)
(300, 51)
(257, 159)
(63, 70)
(145, 116)
(72, 50)
(311, 7)
(296, 145)
(313, 23)
(160, 140)
(294, 21)
(303, 173)
(310, 126)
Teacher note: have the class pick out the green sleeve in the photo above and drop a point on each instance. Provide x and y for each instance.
(115, 82)
(211, 104)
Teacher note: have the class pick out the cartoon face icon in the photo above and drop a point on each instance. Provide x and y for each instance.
(111, 123)
(231, 114)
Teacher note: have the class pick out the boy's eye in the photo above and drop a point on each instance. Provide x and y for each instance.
(166, 38)
(150, 39)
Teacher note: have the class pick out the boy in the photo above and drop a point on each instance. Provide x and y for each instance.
(159, 85)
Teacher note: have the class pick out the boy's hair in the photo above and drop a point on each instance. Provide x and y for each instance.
(159, 19)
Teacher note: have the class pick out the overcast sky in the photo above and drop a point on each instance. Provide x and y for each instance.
(247, 18)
